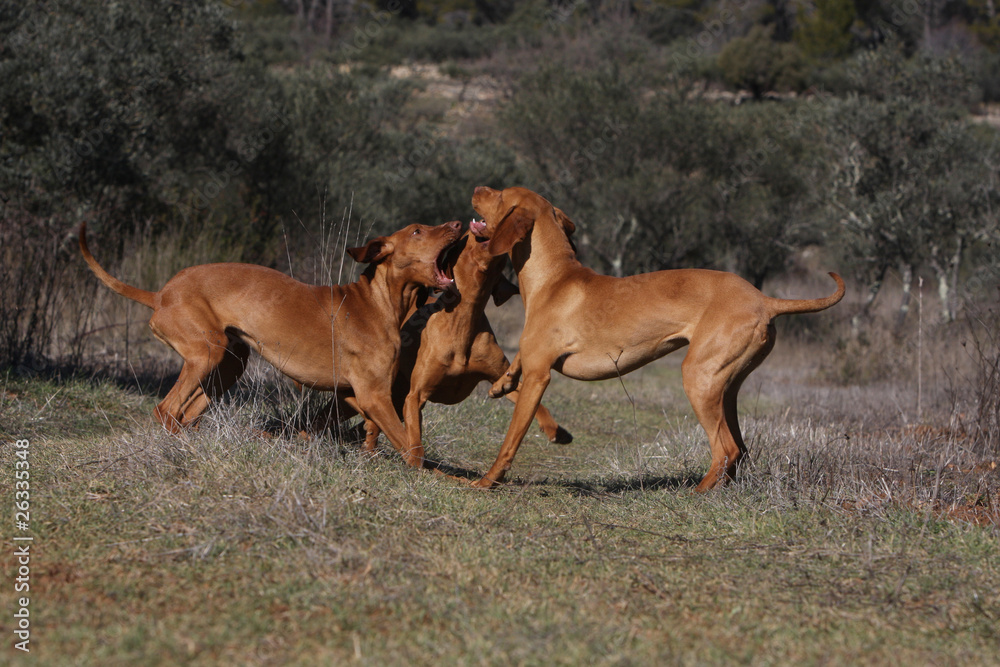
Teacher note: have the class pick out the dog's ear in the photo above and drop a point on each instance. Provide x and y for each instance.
(503, 291)
(564, 220)
(375, 250)
(566, 224)
(511, 230)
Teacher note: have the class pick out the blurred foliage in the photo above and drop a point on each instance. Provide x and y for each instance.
(153, 111)
(252, 118)
(760, 64)
(125, 112)
(916, 185)
(356, 147)
(825, 32)
(669, 181)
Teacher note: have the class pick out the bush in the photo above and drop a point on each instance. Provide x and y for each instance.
(886, 74)
(664, 23)
(356, 147)
(986, 70)
(665, 180)
(759, 64)
(132, 111)
(914, 190)
(402, 41)
(30, 284)
(771, 171)
(593, 146)
(826, 32)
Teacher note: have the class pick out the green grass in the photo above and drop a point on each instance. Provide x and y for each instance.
(840, 545)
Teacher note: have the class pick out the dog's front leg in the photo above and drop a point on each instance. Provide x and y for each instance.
(377, 407)
(413, 417)
(507, 382)
(524, 412)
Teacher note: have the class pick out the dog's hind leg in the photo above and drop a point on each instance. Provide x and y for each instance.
(706, 378)
(712, 378)
(229, 369)
(751, 359)
(212, 363)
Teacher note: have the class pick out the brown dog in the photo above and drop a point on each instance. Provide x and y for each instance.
(593, 327)
(448, 346)
(333, 338)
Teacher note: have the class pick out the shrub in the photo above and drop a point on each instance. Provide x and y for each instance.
(402, 41)
(29, 290)
(665, 180)
(986, 70)
(826, 32)
(664, 22)
(356, 147)
(590, 140)
(759, 64)
(131, 111)
(914, 191)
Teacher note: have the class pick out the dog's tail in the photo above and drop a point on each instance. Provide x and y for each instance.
(142, 296)
(786, 306)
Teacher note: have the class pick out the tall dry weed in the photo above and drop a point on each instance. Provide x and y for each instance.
(983, 348)
(33, 270)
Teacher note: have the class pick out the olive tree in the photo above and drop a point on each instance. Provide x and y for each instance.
(912, 188)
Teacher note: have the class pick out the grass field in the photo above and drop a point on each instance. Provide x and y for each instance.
(857, 534)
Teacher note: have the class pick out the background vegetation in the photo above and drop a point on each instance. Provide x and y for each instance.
(775, 139)
(729, 135)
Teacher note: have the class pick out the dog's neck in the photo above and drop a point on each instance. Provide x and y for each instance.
(473, 295)
(393, 294)
(546, 249)
(457, 310)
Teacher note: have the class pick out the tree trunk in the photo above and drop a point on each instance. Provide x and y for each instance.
(300, 14)
(904, 304)
(947, 279)
(928, 19)
(314, 16)
(873, 291)
(944, 294)
(941, 272)
(951, 307)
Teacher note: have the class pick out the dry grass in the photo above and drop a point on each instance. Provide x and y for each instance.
(856, 533)
(863, 529)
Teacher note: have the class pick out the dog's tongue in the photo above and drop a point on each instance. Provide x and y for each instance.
(442, 277)
(477, 227)
(444, 281)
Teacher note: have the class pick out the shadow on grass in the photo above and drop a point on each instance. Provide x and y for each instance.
(147, 378)
(619, 486)
(589, 487)
(577, 487)
(452, 471)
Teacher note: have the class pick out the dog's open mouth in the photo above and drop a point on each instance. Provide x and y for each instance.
(449, 257)
(478, 228)
(443, 265)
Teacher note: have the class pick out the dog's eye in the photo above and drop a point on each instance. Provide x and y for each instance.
(417, 232)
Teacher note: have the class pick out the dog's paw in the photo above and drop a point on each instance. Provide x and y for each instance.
(485, 483)
(503, 386)
(562, 437)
